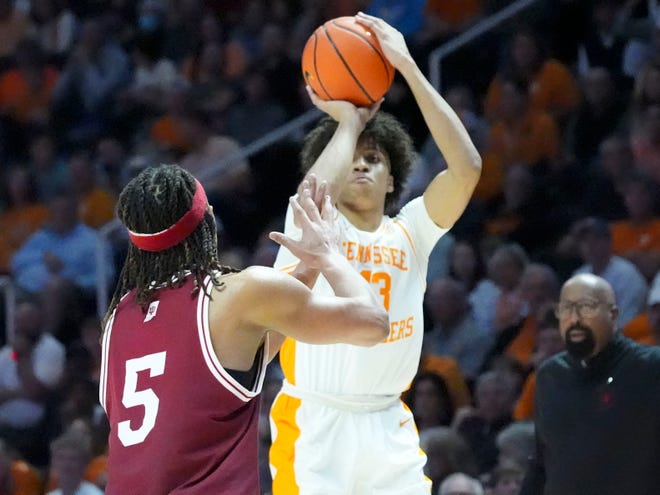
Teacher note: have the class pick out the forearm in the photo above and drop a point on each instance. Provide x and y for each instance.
(449, 191)
(444, 125)
(335, 162)
(306, 275)
(345, 280)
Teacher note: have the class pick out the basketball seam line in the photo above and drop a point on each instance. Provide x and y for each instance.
(368, 42)
(316, 69)
(348, 68)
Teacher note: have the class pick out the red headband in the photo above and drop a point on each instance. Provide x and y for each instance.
(165, 239)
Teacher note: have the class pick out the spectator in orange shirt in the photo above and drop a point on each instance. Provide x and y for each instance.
(26, 90)
(539, 288)
(521, 132)
(645, 327)
(167, 131)
(548, 342)
(70, 455)
(552, 87)
(96, 204)
(17, 477)
(430, 400)
(448, 369)
(637, 237)
(23, 214)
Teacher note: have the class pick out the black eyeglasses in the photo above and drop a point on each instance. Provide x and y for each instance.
(585, 309)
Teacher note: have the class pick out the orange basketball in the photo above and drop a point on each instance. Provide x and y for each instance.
(342, 60)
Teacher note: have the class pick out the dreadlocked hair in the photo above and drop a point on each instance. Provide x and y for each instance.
(151, 202)
(385, 131)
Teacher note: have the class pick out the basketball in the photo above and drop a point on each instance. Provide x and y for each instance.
(342, 60)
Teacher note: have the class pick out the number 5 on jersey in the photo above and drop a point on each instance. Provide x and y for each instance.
(132, 397)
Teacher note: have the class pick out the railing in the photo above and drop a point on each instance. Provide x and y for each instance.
(301, 121)
(9, 300)
(462, 39)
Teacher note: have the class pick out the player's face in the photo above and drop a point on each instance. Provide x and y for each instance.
(370, 175)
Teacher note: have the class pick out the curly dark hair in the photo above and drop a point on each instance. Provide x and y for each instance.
(446, 414)
(384, 130)
(153, 201)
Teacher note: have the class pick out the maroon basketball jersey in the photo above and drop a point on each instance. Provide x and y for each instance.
(179, 423)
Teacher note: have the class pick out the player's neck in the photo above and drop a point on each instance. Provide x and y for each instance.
(367, 220)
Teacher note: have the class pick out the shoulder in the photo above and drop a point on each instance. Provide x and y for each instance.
(552, 366)
(257, 274)
(633, 277)
(413, 207)
(646, 354)
(415, 214)
(254, 283)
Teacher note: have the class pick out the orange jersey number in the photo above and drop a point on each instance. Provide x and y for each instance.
(384, 283)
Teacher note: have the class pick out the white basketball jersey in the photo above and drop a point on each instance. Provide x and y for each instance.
(394, 259)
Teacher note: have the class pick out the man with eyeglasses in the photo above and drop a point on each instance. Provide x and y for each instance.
(597, 411)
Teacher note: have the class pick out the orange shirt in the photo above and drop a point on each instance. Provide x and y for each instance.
(524, 409)
(166, 132)
(96, 470)
(456, 13)
(522, 346)
(21, 101)
(503, 224)
(530, 139)
(449, 370)
(639, 329)
(627, 236)
(97, 207)
(26, 479)
(16, 225)
(492, 174)
(553, 90)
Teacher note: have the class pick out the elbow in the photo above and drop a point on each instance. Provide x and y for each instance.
(379, 329)
(472, 171)
(475, 164)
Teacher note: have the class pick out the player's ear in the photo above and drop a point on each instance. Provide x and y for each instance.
(390, 184)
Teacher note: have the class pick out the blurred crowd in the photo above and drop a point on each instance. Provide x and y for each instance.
(563, 103)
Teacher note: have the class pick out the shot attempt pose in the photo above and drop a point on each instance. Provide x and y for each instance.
(186, 341)
(338, 424)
